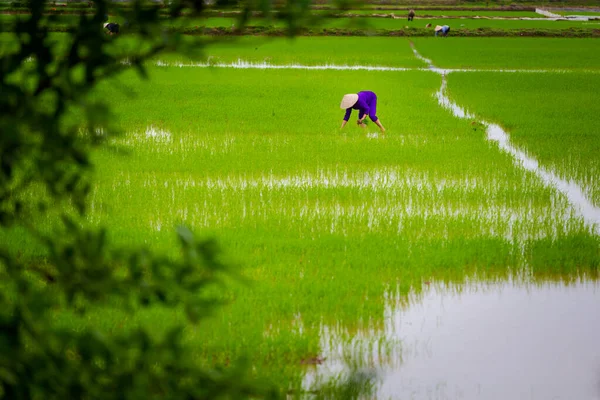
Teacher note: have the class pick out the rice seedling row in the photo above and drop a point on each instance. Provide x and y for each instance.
(561, 134)
(521, 53)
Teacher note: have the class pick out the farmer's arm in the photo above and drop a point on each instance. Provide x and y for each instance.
(346, 116)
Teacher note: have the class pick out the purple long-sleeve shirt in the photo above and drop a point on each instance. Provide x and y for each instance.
(366, 104)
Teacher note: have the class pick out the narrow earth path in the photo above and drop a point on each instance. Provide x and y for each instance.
(584, 207)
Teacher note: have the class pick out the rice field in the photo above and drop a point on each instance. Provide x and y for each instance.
(336, 227)
(402, 23)
(311, 51)
(512, 53)
(565, 133)
(449, 52)
(316, 22)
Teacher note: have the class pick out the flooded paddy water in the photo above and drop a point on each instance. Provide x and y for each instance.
(479, 340)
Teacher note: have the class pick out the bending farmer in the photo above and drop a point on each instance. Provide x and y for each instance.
(443, 30)
(112, 28)
(366, 104)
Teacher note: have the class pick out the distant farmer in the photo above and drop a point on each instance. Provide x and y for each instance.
(366, 104)
(442, 30)
(411, 15)
(112, 28)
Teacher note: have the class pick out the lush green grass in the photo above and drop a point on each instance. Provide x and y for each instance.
(522, 53)
(551, 116)
(374, 51)
(382, 51)
(486, 53)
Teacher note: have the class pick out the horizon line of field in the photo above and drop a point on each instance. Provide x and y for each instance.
(243, 64)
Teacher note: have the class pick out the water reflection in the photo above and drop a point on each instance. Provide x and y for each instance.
(480, 341)
(399, 201)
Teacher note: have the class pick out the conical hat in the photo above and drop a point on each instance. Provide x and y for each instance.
(349, 100)
(438, 28)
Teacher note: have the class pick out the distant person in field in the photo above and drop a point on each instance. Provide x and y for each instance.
(411, 15)
(112, 28)
(366, 104)
(442, 30)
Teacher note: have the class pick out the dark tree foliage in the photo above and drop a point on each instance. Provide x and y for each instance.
(45, 168)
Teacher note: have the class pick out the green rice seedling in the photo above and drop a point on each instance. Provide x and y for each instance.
(518, 53)
(249, 170)
(312, 51)
(558, 258)
(372, 51)
(548, 115)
